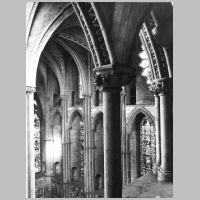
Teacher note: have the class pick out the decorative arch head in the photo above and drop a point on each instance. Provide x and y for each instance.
(97, 117)
(132, 117)
(56, 111)
(74, 113)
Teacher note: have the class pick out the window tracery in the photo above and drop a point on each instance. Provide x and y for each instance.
(147, 146)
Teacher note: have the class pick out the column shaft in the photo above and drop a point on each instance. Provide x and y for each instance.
(30, 160)
(112, 143)
(64, 143)
(157, 131)
(89, 169)
(166, 130)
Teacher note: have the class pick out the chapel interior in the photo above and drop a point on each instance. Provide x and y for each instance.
(99, 99)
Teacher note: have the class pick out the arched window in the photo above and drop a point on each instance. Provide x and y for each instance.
(37, 148)
(147, 146)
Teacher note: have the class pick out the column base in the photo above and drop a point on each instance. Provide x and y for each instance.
(165, 176)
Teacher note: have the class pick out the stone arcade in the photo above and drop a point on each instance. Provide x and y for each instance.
(99, 80)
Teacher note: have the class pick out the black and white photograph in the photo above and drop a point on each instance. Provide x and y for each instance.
(99, 99)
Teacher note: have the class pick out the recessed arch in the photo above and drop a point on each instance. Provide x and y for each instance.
(75, 111)
(131, 117)
(56, 110)
(134, 140)
(98, 137)
(97, 117)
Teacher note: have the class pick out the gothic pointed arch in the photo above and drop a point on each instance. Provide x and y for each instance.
(55, 111)
(140, 130)
(97, 116)
(80, 61)
(131, 117)
(74, 112)
(51, 63)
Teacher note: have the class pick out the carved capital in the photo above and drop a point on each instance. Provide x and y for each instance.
(30, 89)
(113, 75)
(123, 92)
(161, 86)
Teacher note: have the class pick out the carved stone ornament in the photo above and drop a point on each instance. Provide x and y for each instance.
(94, 35)
(30, 89)
(161, 86)
(113, 76)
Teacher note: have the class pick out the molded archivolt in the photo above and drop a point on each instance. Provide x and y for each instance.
(94, 32)
(160, 65)
(133, 115)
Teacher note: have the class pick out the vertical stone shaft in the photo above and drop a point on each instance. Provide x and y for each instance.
(157, 132)
(30, 160)
(123, 145)
(112, 143)
(166, 130)
(88, 148)
(86, 169)
(64, 142)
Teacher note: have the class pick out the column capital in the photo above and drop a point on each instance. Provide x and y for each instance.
(30, 89)
(123, 92)
(161, 86)
(113, 75)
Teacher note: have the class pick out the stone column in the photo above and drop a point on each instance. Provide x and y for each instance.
(164, 126)
(123, 136)
(30, 160)
(165, 172)
(155, 89)
(64, 143)
(112, 142)
(157, 126)
(67, 162)
(111, 78)
(89, 169)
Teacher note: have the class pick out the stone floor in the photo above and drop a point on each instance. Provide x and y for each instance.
(148, 187)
